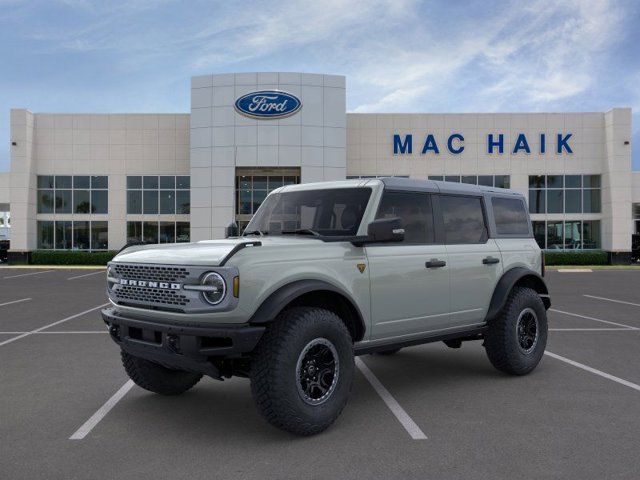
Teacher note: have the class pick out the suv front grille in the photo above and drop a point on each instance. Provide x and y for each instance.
(151, 295)
(151, 272)
(155, 297)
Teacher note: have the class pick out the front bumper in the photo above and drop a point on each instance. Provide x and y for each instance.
(181, 346)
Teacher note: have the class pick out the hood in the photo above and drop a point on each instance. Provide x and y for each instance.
(206, 252)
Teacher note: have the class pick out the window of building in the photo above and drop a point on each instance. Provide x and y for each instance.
(158, 232)
(254, 184)
(499, 181)
(564, 194)
(153, 194)
(510, 216)
(67, 194)
(73, 235)
(414, 209)
(568, 234)
(463, 219)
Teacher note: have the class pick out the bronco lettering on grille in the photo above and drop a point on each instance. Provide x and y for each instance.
(149, 284)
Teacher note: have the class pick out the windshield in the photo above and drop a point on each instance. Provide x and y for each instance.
(327, 212)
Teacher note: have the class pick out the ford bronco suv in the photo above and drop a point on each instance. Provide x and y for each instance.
(324, 272)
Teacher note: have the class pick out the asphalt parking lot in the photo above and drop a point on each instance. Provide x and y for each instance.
(67, 409)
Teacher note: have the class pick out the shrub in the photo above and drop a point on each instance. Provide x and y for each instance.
(65, 257)
(590, 257)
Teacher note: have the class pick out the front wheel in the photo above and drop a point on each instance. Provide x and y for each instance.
(516, 340)
(302, 370)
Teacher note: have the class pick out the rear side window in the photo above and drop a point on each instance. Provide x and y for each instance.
(511, 216)
(463, 219)
(414, 209)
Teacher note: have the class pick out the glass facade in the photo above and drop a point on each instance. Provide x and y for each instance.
(499, 181)
(153, 194)
(568, 234)
(564, 194)
(158, 232)
(73, 194)
(254, 184)
(72, 235)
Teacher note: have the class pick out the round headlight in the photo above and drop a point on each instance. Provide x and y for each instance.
(216, 288)
(110, 272)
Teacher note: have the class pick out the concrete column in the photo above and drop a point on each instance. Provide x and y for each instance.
(616, 182)
(22, 195)
(313, 139)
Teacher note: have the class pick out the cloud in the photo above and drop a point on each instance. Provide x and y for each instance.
(527, 57)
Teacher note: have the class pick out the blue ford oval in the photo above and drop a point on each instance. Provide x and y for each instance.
(268, 104)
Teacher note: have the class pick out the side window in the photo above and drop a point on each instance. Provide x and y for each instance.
(511, 216)
(414, 209)
(463, 219)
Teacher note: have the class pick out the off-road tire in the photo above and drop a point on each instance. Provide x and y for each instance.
(501, 340)
(391, 351)
(156, 378)
(274, 381)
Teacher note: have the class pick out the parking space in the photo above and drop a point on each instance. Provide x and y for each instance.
(562, 421)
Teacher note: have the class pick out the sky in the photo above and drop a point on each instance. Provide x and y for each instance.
(398, 55)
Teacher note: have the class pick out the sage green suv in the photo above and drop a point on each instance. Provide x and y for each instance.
(324, 272)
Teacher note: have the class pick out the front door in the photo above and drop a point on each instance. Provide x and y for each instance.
(410, 279)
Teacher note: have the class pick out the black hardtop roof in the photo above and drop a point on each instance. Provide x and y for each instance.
(413, 184)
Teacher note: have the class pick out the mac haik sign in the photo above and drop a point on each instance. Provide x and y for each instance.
(495, 144)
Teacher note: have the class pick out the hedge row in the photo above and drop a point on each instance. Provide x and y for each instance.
(63, 257)
(591, 257)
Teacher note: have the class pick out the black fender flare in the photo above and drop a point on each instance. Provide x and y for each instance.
(506, 283)
(283, 296)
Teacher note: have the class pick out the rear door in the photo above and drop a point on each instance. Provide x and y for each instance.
(474, 258)
(410, 279)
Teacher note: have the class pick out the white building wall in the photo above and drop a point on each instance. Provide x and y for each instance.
(116, 145)
(313, 139)
(597, 142)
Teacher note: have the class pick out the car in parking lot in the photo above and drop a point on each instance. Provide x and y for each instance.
(4, 249)
(324, 272)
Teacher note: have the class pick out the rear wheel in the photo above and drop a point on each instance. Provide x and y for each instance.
(302, 370)
(516, 340)
(156, 378)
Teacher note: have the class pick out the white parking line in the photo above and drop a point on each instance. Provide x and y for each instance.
(15, 301)
(594, 319)
(38, 330)
(612, 300)
(76, 332)
(592, 329)
(403, 417)
(87, 426)
(27, 274)
(86, 275)
(619, 380)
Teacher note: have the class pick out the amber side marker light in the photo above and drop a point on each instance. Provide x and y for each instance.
(236, 287)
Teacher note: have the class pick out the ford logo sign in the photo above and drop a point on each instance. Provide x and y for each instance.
(268, 104)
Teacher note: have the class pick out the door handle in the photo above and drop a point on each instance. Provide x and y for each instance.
(435, 263)
(490, 260)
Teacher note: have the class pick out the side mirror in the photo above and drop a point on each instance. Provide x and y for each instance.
(231, 230)
(385, 230)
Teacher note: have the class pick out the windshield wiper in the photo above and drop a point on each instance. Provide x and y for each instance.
(254, 232)
(300, 231)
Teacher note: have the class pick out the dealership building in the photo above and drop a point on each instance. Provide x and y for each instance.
(98, 181)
